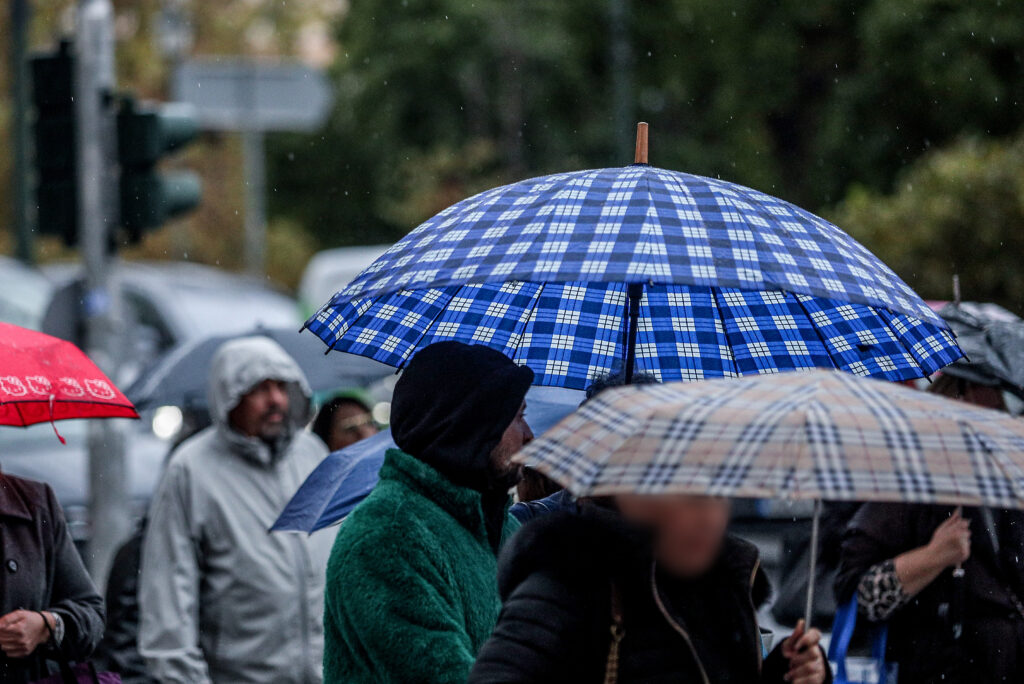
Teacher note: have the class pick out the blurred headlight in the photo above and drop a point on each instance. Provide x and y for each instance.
(382, 412)
(167, 421)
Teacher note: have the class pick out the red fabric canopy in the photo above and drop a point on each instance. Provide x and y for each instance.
(43, 378)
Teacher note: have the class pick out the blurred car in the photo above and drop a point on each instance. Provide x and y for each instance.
(166, 304)
(24, 294)
(330, 270)
(36, 453)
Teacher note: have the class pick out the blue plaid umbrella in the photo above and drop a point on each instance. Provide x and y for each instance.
(681, 276)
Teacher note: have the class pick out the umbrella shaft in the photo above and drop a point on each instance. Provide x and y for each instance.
(634, 293)
(812, 571)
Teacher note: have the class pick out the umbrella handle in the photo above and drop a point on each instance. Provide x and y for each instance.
(815, 524)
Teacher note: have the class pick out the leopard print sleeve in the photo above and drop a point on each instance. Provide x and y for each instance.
(880, 592)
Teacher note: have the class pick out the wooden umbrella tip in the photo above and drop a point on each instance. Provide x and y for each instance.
(641, 143)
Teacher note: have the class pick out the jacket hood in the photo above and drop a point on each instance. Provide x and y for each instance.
(241, 364)
(450, 407)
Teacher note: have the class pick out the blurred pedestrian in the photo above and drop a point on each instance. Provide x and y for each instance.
(899, 560)
(220, 598)
(119, 650)
(535, 486)
(51, 609)
(638, 589)
(343, 420)
(540, 495)
(411, 585)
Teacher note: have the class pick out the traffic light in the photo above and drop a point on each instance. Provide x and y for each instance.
(54, 135)
(147, 132)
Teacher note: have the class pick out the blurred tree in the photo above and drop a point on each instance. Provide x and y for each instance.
(956, 210)
(258, 28)
(437, 99)
(799, 99)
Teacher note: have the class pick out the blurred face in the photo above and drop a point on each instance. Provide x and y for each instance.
(262, 412)
(516, 436)
(350, 423)
(688, 530)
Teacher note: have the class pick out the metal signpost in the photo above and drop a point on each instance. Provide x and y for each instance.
(20, 12)
(254, 97)
(97, 216)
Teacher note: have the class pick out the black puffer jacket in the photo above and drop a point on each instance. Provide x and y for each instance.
(556, 578)
(921, 641)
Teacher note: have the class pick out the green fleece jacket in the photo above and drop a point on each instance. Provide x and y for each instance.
(411, 591)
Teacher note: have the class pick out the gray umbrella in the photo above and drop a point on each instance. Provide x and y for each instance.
(993, 340)
(179, 378)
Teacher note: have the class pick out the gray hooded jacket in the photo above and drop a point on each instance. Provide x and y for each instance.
(221, 599)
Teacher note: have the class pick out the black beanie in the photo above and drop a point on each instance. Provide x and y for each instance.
(451, 406)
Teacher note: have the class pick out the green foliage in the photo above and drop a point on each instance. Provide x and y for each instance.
(801, 99)
(958, 210)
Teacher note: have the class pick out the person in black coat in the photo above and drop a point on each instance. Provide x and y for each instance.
(899, 560)
(599, 593)
(50, 607)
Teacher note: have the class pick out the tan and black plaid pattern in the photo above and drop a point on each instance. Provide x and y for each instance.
(804, 435)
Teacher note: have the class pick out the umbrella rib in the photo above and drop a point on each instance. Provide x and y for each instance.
(337, 338)
(17, 407)
(899, 338)
(426, 329)
(536, 303)
(817, 332)
(725, 330)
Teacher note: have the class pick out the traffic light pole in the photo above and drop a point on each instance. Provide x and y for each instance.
(20, 13)
(97, 220)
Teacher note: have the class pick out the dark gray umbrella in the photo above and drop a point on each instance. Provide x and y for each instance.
(993, 340)
(179, 378)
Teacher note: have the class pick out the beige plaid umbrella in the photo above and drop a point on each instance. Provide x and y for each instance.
(821, 435)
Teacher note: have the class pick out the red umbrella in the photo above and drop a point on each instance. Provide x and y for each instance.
(45, 379)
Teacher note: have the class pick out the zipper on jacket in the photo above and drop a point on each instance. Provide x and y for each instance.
(679, 628)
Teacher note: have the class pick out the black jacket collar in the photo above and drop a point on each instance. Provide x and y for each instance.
(12, 501)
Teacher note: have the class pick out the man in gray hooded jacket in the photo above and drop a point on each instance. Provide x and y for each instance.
(221, 599)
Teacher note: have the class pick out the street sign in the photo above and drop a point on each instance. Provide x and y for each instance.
(232, 94)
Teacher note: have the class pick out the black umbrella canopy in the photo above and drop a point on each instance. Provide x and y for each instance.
(179, 378)
(993, 341)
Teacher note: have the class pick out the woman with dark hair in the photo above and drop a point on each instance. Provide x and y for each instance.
(343, 421)
(51, 611)
(638, 589)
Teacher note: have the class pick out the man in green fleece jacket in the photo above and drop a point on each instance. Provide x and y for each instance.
(411, 584)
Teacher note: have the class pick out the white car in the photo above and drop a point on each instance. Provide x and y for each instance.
(330, 271)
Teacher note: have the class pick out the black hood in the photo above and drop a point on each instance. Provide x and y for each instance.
(451, 406)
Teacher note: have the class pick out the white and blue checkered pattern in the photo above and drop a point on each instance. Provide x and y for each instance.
(735, 283)
(570, 333)
(637, 224)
